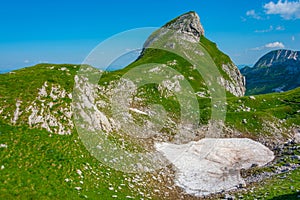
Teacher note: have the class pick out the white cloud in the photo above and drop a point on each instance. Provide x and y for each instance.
(265, 31)
(26, 61)
(257, 48)
(287, 9)
(275, 45)
(253, 14)
(271, 28)
(293, 38)
(280, 28)
(271, 45)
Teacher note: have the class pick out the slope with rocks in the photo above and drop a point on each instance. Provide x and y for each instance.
(36, 102)
(40, 96)
(276, 71)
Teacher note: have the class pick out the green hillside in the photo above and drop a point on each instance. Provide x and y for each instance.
(42, 155)
(37, 163)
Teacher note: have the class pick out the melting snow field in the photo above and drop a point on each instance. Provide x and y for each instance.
(212, 165)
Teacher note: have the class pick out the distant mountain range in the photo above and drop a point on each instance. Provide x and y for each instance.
(243, 66)
(277, 71)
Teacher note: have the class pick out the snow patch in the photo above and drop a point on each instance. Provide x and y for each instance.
(213, 165)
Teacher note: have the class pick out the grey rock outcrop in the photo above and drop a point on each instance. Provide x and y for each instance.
(297, 135)
(236, 84)
(188, 24)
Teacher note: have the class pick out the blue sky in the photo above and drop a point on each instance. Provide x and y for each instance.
(66, 31)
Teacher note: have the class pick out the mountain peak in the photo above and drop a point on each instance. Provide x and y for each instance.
(277, 71)
(186, 26)
(278, 57)
(188, 23)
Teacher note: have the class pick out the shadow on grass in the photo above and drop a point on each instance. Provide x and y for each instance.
(288, 197)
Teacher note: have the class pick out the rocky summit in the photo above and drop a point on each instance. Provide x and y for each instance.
(184, 34)
(277, 71)
(188, 24)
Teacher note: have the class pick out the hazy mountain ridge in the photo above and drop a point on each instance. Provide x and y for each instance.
(276, 71)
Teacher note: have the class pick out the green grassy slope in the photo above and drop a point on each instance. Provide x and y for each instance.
(36, 163)
(281, 109)
(40, 165)
(24, 83)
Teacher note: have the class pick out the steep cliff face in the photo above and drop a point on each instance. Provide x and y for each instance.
(188, 23)
(277, 71)
(187, 26)
(232, 79)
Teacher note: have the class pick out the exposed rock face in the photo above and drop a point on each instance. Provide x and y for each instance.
(213, 165)
(49, 110)
(91, 115)
(188, 24)
(297, 135)
(236, 85)
(17, 112)
(276, 71)
(55, 115)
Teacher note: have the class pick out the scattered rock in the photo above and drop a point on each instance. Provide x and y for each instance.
(78, 188)
(283, 177)
(297, 136)
(252, 97)
(17, 112)
(228, 197)
(295, 157)
(111, 188)
(79, 172)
